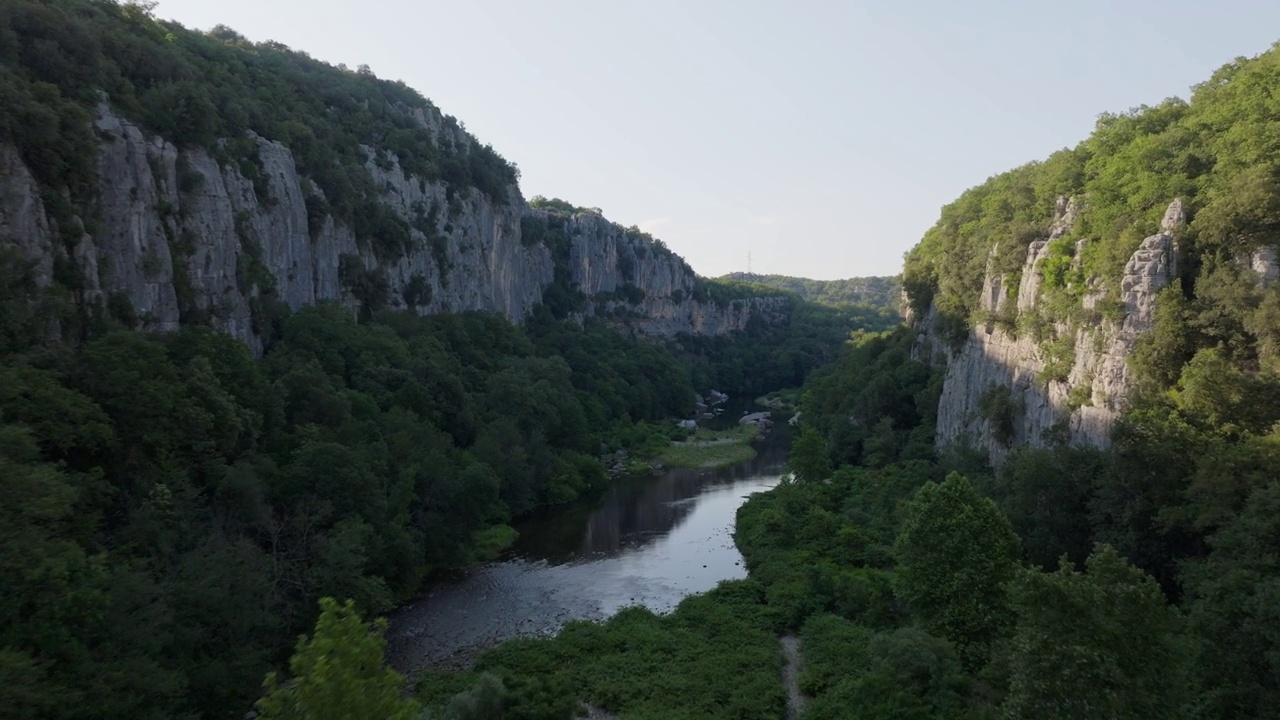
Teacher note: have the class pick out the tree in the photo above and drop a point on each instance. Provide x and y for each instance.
(338, 674)
(1233, 600)
(955, 552)
(809, 456)
(1044, 494)
(1103, 643)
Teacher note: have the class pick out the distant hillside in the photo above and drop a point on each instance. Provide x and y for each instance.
(878, 291)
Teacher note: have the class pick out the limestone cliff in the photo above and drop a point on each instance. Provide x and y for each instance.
(176, 236)
(606, 260)
(1011, 383)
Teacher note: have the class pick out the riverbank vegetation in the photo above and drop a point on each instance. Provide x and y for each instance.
(715, 656)
(172, 508)
(1137, 581)
(203, 501)
(705, 448)
(938, 586)
(927, 586)
(172, 497)
(785, 400)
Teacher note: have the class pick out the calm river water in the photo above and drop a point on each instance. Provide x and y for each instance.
(651, 542)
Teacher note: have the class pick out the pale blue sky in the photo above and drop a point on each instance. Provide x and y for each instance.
(821, 137)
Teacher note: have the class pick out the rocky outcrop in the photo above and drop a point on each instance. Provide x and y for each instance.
(637, 282)
(1264, 263)
(23, 222)
(177, 236)
(1035, 381)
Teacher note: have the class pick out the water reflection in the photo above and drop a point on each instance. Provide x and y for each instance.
(650, 542)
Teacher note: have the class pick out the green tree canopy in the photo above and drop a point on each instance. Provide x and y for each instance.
(1103, 643)
(338, 673)
(955, 552)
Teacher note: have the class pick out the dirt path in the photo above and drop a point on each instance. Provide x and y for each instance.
(791, 675)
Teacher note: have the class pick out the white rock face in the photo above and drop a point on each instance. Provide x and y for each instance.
(175, 232)
(23, 223)
(1263, 262)
(1082, 408)
(137, 212)
(604, 258)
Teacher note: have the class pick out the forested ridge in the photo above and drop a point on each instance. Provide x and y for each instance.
(1217, 152)
(876, 292)
(1136, 581)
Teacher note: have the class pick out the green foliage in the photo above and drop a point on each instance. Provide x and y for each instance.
(1214, 394)
(201, 89)
(876, 292)
(1233, 609)
(875, 405)
(172, 507)
(807, 544)
(1102, 643)
(722, 292)
(338, 673)
(369, 286)
(562, 298)
(809, 454)
(629, 294)
(854, 673)
(955, 551)
(947, 268)
(716, 656)
(556, 206)
(533, 229)
(711, 449)
(171, 497)
(1079, 396)
(1213, 152)
(998, 407)
(416, 292)
(1045, 493)
(487, 699)
(20, 316)
(768, 356)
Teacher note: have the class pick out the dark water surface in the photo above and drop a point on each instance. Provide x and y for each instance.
(651, 541)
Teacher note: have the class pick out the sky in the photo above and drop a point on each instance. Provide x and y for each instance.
(808, 138)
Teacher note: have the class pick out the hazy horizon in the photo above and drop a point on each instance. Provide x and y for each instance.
(820, 137)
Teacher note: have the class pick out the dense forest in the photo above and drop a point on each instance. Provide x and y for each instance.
(876, 292)
(1216, 152)
(766, 357)
(1136, 581)
(174, 509)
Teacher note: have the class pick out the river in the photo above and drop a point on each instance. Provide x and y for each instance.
(649, 541)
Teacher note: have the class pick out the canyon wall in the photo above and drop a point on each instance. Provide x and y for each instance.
(175, 236)
(1011, 383)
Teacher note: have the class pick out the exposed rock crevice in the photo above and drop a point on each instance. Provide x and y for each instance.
(175, 232)
(1070, 389)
